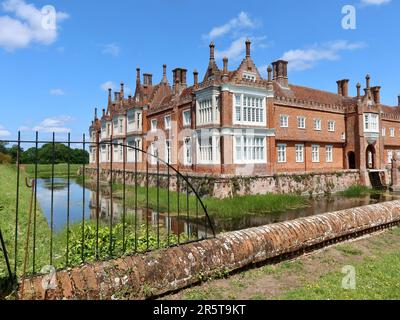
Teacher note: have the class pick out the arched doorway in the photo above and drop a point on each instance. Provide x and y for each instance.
(370, 157)
(351, 156)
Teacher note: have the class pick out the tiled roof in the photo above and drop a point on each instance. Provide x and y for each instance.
(312, 95)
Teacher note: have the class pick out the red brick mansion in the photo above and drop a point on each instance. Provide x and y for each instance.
(235, 122)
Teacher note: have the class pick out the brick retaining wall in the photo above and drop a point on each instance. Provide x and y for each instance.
(163, 271)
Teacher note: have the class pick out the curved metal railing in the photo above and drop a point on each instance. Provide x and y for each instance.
(158, 207)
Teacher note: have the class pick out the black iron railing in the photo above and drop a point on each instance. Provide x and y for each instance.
(158, 208)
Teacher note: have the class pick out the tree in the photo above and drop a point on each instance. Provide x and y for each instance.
(13, 152)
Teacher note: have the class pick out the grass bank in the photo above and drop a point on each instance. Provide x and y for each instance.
(357, 191)
(45, 170)
(229, 208)
(8, 186)
(317, 276)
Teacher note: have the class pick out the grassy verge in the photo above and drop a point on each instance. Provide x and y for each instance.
(45, 170)
(357, 190)
(8, 185)
(375, 279)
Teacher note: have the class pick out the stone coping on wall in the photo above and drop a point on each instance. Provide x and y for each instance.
(160, 272)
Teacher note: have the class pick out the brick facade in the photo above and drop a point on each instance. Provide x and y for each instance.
(236, 122)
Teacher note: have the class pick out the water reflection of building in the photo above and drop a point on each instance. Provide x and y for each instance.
(170, 224)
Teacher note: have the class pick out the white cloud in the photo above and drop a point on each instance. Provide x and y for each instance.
(303, 59)
(112, 49)
(108, 85)
(242, 21)
(26, 26)
(57, 92)
(4, 132)
(55, 124)
(375, 2)
(237, 48)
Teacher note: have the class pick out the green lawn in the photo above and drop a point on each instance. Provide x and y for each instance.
(376, 278)
(45, 170)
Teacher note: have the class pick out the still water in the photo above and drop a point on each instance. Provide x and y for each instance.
(80, 209)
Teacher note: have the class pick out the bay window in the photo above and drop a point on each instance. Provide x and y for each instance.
(249, 109)
(250, 149)
(371, 122)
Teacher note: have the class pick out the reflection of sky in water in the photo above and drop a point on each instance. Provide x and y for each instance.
(60, 201)
(316, 206)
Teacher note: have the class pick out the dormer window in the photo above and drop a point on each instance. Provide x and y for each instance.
(249, 76)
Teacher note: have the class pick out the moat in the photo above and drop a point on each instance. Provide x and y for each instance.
(82, 206)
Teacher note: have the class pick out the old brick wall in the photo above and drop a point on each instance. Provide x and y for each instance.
(156, 273)
(306, 183)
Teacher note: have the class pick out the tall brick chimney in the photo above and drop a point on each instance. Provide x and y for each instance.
(122, 95)
(269, 70)
(280, 72)
(179, 76)
(358, 90)
(343, 87)
(339, 87)
(212, 51)
(248, 48)
(164, 80)
(109, 96)
(138, 76)
(376, 93)
(147, 79)
(225, 60)
(196, 77)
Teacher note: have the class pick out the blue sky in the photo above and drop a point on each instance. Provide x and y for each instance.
(53, 79)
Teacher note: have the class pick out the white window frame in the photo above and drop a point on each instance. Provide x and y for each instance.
(153, 152)
(187, 151)
(392, 132)
(299, 149)
(138, 120)
(154, 124)
(281, 152)
(371, 122)
(329, 153)
(167, 122)
(331, 125)
(120, 125)
(317, 124)
(186, 122)
(251, 110)
(383, 132)
(301, 122)
(390, 156)
(249, 76)
(284, 121)
(168, 148)
(315, 154)
(249, 149)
